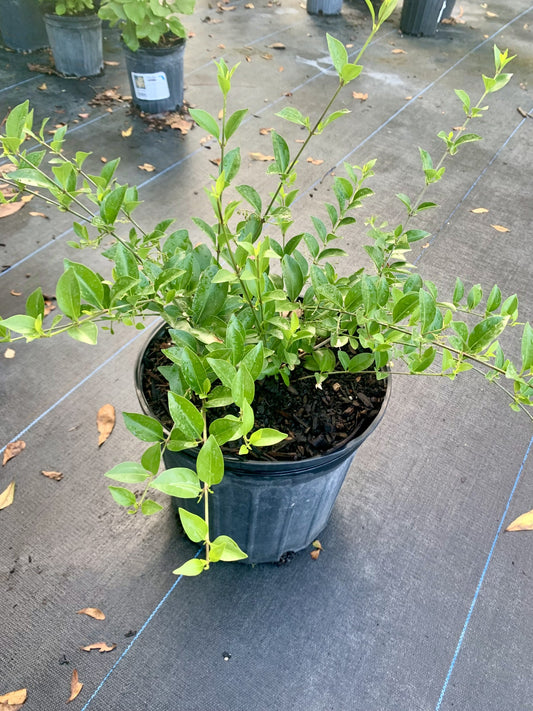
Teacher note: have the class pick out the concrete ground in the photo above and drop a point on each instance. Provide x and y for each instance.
(419, 600)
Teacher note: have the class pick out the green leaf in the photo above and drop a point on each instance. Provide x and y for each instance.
(35, 303)
(458, 291)
(86, 332)
(225, 429)
(485, 332)
(254, 360)
(185, 416)
(194, 526)
(192, 567)
(428, 309)
(179, 481)
(193, 371)
(235, 337)
(281, 151)
(210, 463)
(144, 427)
(20, 324)
(149, 507)
(209, 297)
(151, 458)
(68, 294)
(405, 306)
(243, 388)
(494, 300)
(527, 347)
(91, 287)
(266, 437)
(338, 53)
(292, 276)
(112, 203)
(234, 121)
(123, 497)
(206, 121)
(224, 548)
(128, 473)
(419, 364)
(231, 164)
(291, 114)
(350, 72)
(360, 362)
(224, 371)
(252, 196)
(474, 296)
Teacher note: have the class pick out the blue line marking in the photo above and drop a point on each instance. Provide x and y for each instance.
(130, 645)
(73, 389)
(482, 578)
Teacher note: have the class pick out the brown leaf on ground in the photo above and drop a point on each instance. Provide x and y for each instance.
(221, 46)
(105, 421)
(315, 161)
(479, 210)
(267, 56)
(180, 124)
(110, 63)
(317, 548)
(314, 554)
(43, 87)
(281, 69)
(220, 114)
(249, 6)
(248, 58)
(399, 51)
(9, 208)
(260, 156)
(500, 228)
(10, 353)
(408, 98)
(7, 496)
(93, 612)
(276, 45)
(299, 140)
(13, 698)
(39, 214)
(522, 523)
(359, 95)
(191, 34)
(15, 293)
(225, 8)
(215, 161)
(148, 167)
(491, 14)
(205, 139)
(103, 159)
(84, 116)
(42, 68)
(75, 686)
(100, 646)
(265, 131)
(48, 305)
(317, 544)
(107, 97)
(56, 476)
(127, 132)
(26, 198)
(12, 449)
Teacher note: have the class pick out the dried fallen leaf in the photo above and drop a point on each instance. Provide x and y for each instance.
(315, 161)
(215, 161)
(248, 58)
(7, 496)
(38, 214)
(276, 45)
(491, 14)
(56, 476)
(479, 210)
(15, 293)
(83, 116)
(265, 131)
(14, 697)
(315, 553)
(93, 612)
(408, 98)
(75, 686)
(221, 46)
(267, 56)
(10, 353)
(180, 124)
(103, 159)
(9, 208)
(399, 51)
(220, 114)
(110, 63)
(48, 305)
(148, 167)
(249, 6)
(500, 228)
(105, 421)
(260, 156)
(522, 523)
(100, 646)
(127, 132)
(26, 198)
(317, 544)
(358, 95)
(281, 69)
(43, 87)
(12, 449)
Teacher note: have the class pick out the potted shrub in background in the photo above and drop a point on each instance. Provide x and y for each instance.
(258, 315)
(154, 44)
(75, 34)
(22, 25)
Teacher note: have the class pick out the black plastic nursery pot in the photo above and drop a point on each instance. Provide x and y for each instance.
(22, 25)
(421, 17)
(324, 7)
(76, 43)
(269, 508)
(156, 77)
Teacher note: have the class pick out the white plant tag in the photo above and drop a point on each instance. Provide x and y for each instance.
(150, 87)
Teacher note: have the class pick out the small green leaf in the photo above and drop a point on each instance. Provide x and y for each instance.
(281, 151)
(234, 121)
(149, 507)
(243, 388)
(179, 481)
(266, 437)
(485, 332)
(360, 362)
(527, 347)
(185, 416)
(123, 497)
(225, 429)
(192, 567)
(144, 427)
(338, 53)
(206, 121)
(210, 463)
(128, 473)
(194, 526)
(86, 332)
(252, 196)
(151, 458)
(68, 294)
(225, 548)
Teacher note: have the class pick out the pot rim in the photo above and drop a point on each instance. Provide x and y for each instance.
(261, 466)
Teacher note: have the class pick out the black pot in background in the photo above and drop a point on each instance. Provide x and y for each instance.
(269, 508)
(421, 17)
(324, 7)
(22, 25)
(156, 77)
(76, 43)
(448, 9)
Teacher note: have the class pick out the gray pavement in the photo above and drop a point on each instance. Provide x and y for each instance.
(419, 601)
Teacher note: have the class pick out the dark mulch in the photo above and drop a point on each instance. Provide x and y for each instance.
(317, 420)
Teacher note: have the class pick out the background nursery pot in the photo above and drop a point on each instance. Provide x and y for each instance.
(22, 25)
(268, 507)
(156, 77)
(76, 43)
(421, 17)
(324, 7)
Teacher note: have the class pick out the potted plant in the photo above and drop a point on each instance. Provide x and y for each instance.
(75, 35)
(154, 44)
(261, 333)
(22, 25)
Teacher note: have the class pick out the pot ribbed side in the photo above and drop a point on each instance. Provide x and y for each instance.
(421, 17)
(76, 43)
(156, 77)
(22, 25)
